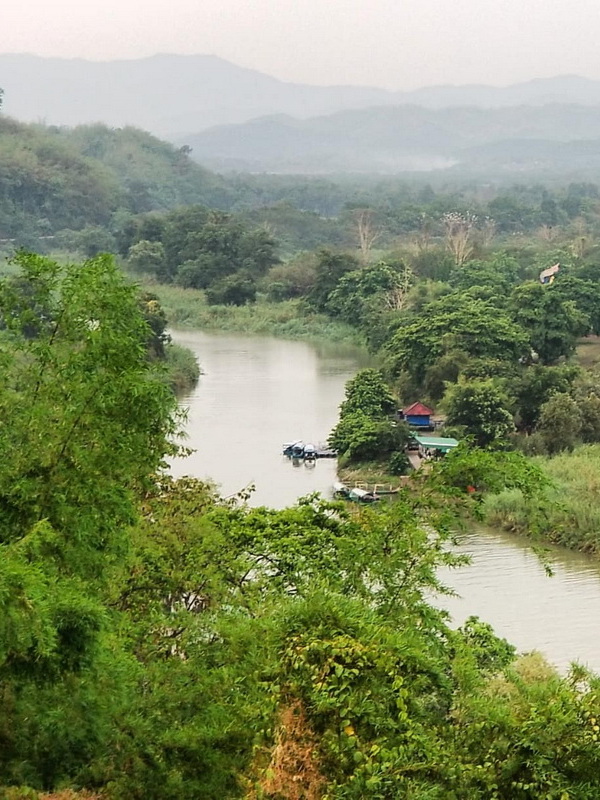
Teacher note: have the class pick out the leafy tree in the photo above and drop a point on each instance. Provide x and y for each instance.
(360, 437)
(589, 408)
(84, 403)
(487, 471)
(156, 320)
(235, 290)
(584, 293)
(147, 256)
(367, 392)
(399, 463)
(454, 323)
(498, 275)
(293, 279)
(482, 409)
(535, 386)
(362, 295)
(560, 422)
(90, 422)
(553, 324)
(330, 268)
(491, 652)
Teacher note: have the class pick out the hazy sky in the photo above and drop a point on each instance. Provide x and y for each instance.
(398, 44)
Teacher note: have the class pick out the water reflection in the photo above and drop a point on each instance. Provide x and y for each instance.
(255, 394)
(508, 586)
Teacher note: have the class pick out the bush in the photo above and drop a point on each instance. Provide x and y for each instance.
(236, 290)
(399, 463)
(363, 438)
(182, 366)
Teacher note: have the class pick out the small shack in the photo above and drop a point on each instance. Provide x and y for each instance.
(418, 415)
(430, 446)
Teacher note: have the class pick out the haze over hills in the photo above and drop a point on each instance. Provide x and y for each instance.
(173, 95)
(409, 138)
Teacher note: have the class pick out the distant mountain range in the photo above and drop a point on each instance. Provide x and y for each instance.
(174, 95)
(409, 138)
(241, 119)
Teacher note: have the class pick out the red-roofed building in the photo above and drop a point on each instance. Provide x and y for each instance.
(418, 415)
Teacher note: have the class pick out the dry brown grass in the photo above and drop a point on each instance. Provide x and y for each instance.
(294, 771)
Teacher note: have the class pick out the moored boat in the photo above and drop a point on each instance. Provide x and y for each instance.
(310, 452)
(362, 495)
(340, 490)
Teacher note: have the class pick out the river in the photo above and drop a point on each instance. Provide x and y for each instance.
(258, 392)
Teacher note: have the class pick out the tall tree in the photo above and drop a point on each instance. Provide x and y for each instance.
(482, 409)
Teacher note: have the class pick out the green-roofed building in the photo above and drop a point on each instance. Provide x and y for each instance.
(429, 444)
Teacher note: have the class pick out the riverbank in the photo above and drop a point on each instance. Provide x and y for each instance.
(371, 473)
(183, 370)
(568, 513)
(187, 308)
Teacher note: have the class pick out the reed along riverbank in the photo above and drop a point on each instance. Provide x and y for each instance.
(568, 512)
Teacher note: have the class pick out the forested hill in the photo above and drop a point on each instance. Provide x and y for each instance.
(53, 178)
(521, 139)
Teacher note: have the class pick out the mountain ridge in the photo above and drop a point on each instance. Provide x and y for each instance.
(402, 138)
(175, 95)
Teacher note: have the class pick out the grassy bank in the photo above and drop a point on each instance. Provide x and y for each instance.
(370, 473)
(187, 308)
(569, 511)
(182, 368)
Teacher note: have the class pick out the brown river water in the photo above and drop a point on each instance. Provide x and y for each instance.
(258, 392)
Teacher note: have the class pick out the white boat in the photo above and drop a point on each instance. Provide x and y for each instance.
(362, 495)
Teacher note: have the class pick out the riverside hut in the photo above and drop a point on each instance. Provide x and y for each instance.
(435, 445)
(418, 415)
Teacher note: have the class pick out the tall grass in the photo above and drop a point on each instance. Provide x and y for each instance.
(187, 308)
(568, 513)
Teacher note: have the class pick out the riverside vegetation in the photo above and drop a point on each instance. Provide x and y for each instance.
(159, 642)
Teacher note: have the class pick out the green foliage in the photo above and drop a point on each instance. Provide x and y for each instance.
(498, 275)
(560, 423)
(535, 386)
(399, 463)
(584, 293)
(489, 651)
(145, 256)
(330, 268)
(589, 409)
(60, 180)
(566, 512)
(455, 323)
(196, 247)
(90, 241)
(235, 290)
(553, 324)
(365, 431)
(366, 291)
(481, 409)
(369, 393)
(182, 368)
(488, 471)
(360, 437)
(293, 279)
(82, 397)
